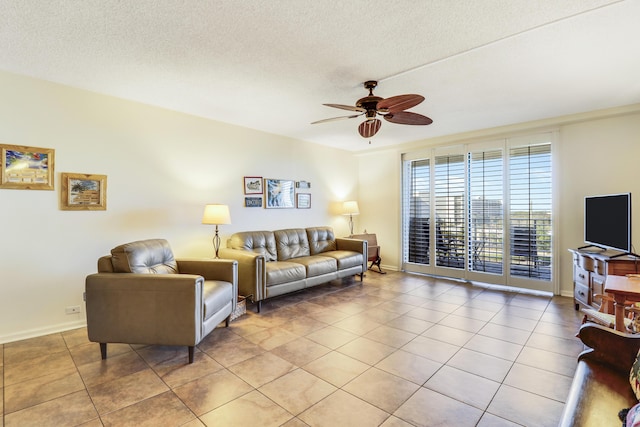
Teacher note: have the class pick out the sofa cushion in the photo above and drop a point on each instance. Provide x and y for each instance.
(321, 239)
(144, 256)
(284, 272)
(345, 259)
(291, 243)
(215, 294)
(317, 265)
(260, 242)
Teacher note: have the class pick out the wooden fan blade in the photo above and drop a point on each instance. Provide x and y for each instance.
(408, 118)
(368, 128)
(399, 103)
(333, 119)
(345, 107)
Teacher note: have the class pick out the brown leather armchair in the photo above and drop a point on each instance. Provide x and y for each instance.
(143, 295)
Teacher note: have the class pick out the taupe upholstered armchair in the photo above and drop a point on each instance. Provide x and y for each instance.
(143, 295)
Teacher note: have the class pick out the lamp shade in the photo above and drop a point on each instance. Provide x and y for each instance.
(350, 208)
(216, 214)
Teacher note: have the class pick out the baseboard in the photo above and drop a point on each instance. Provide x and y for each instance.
(33, 333)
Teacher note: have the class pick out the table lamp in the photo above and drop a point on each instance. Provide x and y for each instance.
(350, 208)
(216, 215)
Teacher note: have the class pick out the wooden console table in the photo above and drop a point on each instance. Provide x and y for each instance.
(591, 266)
(624, 289)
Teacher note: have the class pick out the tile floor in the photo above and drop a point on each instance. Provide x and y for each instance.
(396, 350)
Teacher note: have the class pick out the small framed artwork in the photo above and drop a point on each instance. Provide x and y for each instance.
(26, 168)
(279, 193)
(253, 202)
(303, 184)
(253, 185)
(83, 192)
(303, 201)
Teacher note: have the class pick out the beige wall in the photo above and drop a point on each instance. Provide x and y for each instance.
(162, 167)
(597, 153)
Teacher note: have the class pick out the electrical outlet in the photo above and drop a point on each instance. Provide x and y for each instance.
(74, 309)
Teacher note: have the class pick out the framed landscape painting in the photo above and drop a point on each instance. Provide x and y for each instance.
(83, 192)
(26, 168)
(279, 193)
(253, 185)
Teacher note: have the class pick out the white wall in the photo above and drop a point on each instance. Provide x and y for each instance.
(598, 153)
(162, 167)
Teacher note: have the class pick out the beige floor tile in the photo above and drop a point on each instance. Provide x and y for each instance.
(494, 347)
(468, 388)
(343, 409)
(230, 353)
(358, 324)
(409, 366)
(301, 351)
(124, 391)
(163, 409)
(464, 323)
(390, 336)
(490, 420)
(211, 391)
(428, 408)
(113, 368)
(547, 360)
(505, 333)
(539, 381)
(431, 349)
(41, 389)
(33, 367)
(524, 408)
(295, 422)
(332, 337)
(309, 390)
(271, 338)
(568, 347)
(34, 348)
(484, 365)
(70, 410)
(303, 325)
(410, 324)
(76, 337)
(262, 369)
(175, 372)
(381, 389)
(457, 337)
(336, 368)
(427, 314)
(394, 421)
(366, 350)
(251, 409)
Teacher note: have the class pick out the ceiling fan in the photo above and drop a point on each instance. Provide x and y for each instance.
(392, 109)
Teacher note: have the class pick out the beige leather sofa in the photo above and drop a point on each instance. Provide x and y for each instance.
(143, 295)
(272, 263)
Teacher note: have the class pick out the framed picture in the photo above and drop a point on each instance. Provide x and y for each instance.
(279, 193)
(303, 184)
(83, 192)
(252, 185)
(26, 168)
(303, 201)
(253, 202)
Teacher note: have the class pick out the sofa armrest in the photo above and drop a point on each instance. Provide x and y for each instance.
(609, 346)
(119, 309)
(252, 273)
(356, 245)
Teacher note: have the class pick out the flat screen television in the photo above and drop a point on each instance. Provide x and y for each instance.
(607, 221)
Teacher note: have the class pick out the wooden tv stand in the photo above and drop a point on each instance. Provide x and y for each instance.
(590, 269)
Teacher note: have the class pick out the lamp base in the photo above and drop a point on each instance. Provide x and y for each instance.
(216, 243)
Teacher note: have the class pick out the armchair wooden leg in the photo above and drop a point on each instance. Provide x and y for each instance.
(191, 348)
(103, 350)
(226, 321)
(258, 305)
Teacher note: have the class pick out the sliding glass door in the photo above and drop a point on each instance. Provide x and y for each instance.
(481, 212)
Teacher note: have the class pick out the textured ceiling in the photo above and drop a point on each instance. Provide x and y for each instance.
(270, 65)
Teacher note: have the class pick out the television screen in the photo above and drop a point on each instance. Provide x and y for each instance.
(607, 221)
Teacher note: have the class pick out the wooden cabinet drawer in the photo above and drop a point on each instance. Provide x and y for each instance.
(597, 287)
(581, 276)
(581, 293)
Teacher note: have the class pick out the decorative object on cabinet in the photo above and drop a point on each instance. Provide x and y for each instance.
(279, 193)
(303, 201)
(216, 215)
(26, 168)
(350, 208)
(253, 202)
(83, 192)
(253, 185)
